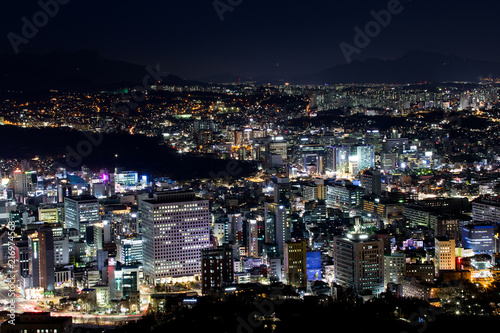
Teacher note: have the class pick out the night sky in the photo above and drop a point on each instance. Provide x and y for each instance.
(187, 37)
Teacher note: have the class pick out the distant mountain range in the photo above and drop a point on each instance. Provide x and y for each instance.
(413, 67)
(88, 71)
(76, 71)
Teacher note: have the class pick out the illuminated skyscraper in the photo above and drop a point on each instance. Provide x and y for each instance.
(366, 157)
(175, 229)
(80, 212)
(480, 237)
(295, 261)
(282, 191)
(371, 181)
(444, 254)
(337, 159)
(217, 268)
(280, 216)
(41, 251)
(24, 182)
(359, 262)
(253, 244)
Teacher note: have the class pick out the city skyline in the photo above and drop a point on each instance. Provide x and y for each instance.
(254, 167)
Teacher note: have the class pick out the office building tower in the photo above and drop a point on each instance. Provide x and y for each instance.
(282, 191)
(275, 269)
(331, 159)
(313, 265)
(61, 250)
(252, 242)
(80, 212)
(63, 190)
(47, 257)
(449, 225)
(102, 257)
(216, 268)
(235, 228)
(176, 227)
(22, 251)
(221, 230)
(130, 251)
(444, 254)
(423, 271)
(394, 268)
(359, 262)
(480, 237)
(388, 161)
(365, 157)
(49, 214)
(278, 146)
(295, 263)
(344, 197)
(25, 182)
(486, 209)
(371, 181)
(337, 159)
(41, 252)
(280, 216)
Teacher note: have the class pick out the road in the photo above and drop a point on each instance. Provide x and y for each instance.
(23, 305)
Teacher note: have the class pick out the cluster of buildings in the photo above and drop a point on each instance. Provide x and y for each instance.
(336, 206)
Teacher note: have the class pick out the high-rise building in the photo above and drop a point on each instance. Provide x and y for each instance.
(80, 212)
(394, 268)
(130, 251)
(216, 268)
(63, 190)
(235, 228)
(371, 181)
(278, 146)
(25, 182)
(359, 263)
(449, 225)
(41, 252)
(480, 237)
(444, 254)
(61, 250)
(252, 242)
(337, 159)
(388, 161)
(176, 227)
(422, 271)
(486, 209)
(295, 262)
(344, 197)
(49, 214)
(23, 259)
(280, 216)
(313, 265)
(275, 269)
(282, 191)
(366, 157)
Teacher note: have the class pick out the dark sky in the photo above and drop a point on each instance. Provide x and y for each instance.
(187, 38)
